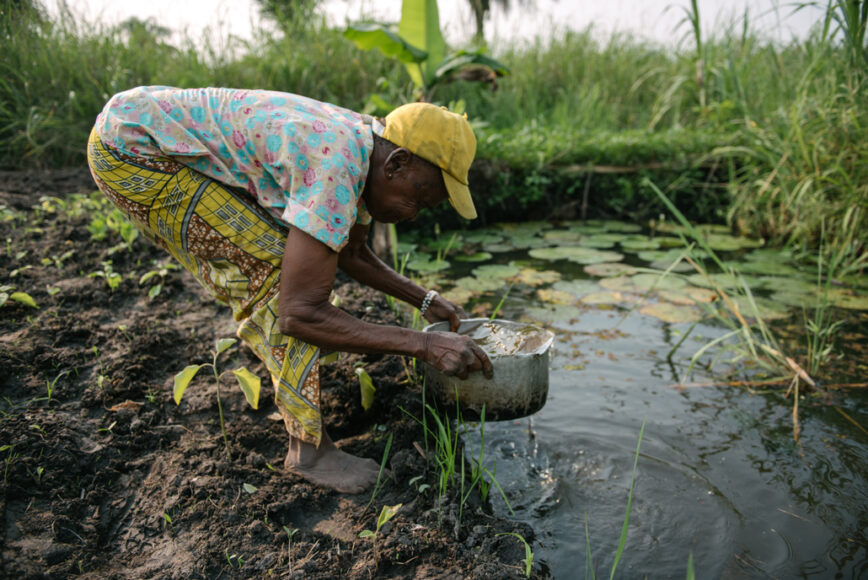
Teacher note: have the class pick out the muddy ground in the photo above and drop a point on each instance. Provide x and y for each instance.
(107, 478)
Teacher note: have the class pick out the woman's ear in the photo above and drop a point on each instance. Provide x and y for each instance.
(397, 160)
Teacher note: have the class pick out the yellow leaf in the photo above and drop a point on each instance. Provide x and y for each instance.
(23, 298)
(367, 387)
(182, 380)
(250, 385)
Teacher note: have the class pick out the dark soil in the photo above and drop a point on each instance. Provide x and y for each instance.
(108, 478)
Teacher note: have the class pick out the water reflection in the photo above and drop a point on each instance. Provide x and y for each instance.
(719, 476)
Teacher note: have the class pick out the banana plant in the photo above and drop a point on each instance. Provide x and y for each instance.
(419, 45)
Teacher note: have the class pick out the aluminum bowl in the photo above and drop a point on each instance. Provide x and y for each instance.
(520, 383)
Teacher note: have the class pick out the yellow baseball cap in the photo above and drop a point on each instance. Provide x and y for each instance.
(441, 137)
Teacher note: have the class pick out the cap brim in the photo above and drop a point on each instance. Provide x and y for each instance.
(459, 196)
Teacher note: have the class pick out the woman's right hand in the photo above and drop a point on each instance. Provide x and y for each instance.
(455, 354)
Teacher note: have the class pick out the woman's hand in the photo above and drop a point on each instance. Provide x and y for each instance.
(442, 309)
(455, 354)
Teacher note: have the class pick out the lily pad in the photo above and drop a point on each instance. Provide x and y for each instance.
(477, 257)
(553, 296)
(562, 236)
(722, 280)
(767, 267)
(619, 284)
(576, 287)
(533, 277)
(428, 265)
(639, 245)
(618, 226)
(689, 296)
(478, 285)
(597, 243)
(725, 243)
(680, 267)
(459, 295)
(672, 313)
(482, 237)
(575, 254)
(794, 299)
(607, 269)
(769, 254)
(790, 284)
(599, 298)
(641, 283)
(593, 256)
(498, 248)
(526, 241)
(500, 271)
(759, 308)
(405, 248)
(552, 314)
(616, 238)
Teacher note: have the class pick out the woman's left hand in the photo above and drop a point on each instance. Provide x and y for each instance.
(442, 309)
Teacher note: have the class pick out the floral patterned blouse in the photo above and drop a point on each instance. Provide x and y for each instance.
(303, 160)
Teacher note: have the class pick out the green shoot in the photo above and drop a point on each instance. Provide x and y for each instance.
(387, 513)
(377, 486)
(112, 278)
(289, 535)
(247, 381)
(528, 553)
(6, 294)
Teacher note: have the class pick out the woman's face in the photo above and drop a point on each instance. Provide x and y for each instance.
(407, 186)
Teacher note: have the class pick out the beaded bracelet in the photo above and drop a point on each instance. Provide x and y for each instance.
(429, 297)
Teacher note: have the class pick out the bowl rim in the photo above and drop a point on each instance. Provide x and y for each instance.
(542, 349)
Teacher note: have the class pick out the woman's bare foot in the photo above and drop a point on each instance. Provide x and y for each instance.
(329, 466)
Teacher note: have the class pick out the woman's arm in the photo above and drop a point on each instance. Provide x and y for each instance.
(306, 279)
(359, 262)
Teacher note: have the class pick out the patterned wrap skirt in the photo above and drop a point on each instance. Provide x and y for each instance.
(234, 248)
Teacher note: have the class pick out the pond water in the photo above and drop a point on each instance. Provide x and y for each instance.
(719, 475)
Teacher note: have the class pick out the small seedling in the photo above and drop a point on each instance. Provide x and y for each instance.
(387, 513)
(39, 471)
(161, 271)
(289, 536)
(235, 561)
(382, 469)
(112, 278)
(11, 456)
(528, 553)
(249, 383)
(58, 260)
(366, 386)
(50, 385)
(107, 429)
(6, 294)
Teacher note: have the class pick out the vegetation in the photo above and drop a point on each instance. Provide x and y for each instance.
(735, 128)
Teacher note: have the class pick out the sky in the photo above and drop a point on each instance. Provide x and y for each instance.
(656, 20)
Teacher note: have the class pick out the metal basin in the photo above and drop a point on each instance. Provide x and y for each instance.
(520, 383)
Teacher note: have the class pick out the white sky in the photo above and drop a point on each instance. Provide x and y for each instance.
(647, 18)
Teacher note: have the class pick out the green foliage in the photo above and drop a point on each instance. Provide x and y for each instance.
(6, 294)
(386, 514)
(418, 44)
(249, 383)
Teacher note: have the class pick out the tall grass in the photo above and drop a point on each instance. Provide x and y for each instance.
(784, 124)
